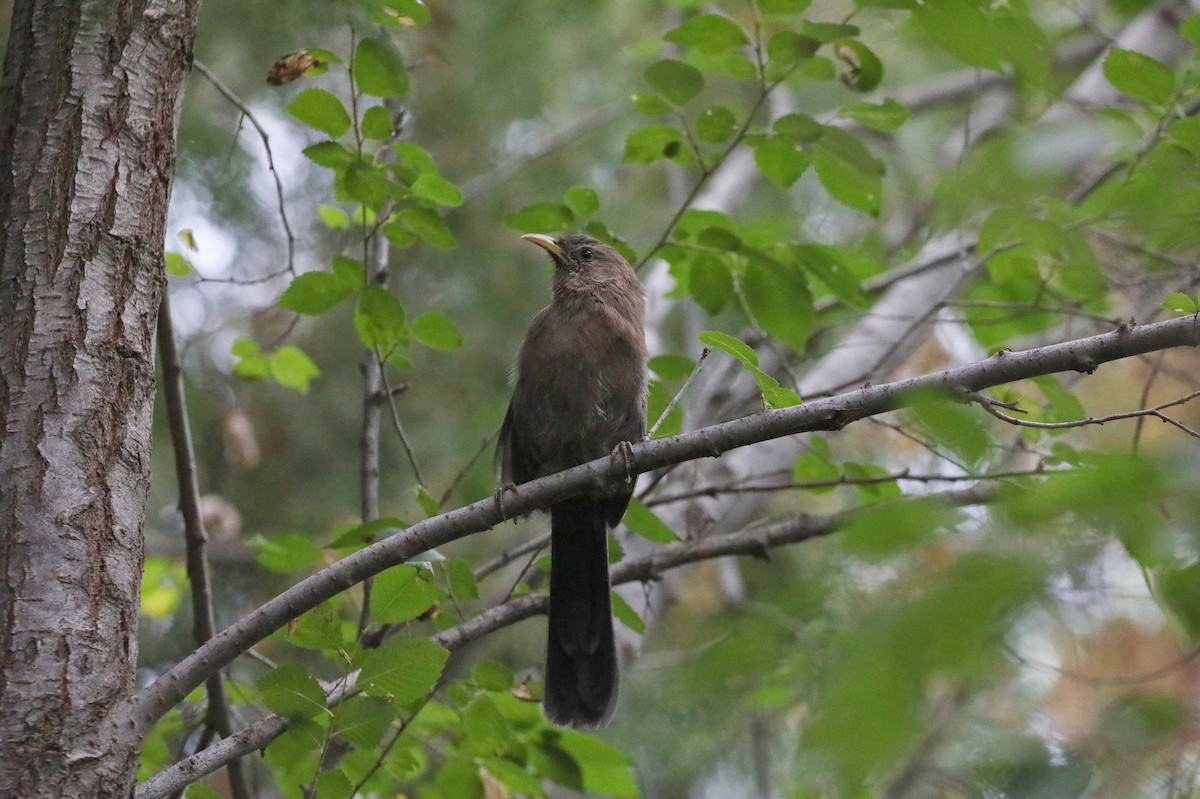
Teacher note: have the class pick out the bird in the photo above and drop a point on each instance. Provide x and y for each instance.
(579, 394)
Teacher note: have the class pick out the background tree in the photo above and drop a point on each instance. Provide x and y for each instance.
(827, 197)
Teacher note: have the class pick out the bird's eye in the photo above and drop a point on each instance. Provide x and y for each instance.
(586, 254)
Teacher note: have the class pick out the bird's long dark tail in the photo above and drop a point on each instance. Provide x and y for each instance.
(581, 659)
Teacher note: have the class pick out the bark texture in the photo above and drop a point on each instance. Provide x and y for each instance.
(88, 110)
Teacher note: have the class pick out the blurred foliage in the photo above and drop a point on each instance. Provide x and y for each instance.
(1035, 640)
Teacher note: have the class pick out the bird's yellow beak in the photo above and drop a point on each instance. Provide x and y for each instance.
(547, 243)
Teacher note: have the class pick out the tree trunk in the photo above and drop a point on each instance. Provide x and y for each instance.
(88, 112)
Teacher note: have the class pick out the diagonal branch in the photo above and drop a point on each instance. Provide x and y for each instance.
(833, 413)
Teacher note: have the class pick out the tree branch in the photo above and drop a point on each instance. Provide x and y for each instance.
(834, 413)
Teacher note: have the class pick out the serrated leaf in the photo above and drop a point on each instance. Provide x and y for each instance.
(291, 691)
(885, 116)
(491, 675)
(434, 187)
(644, 145)
(434, 329)
(780, 397)
(845, 182)
(376, 123)
(708, 33)
(676, 81)
(379, 320)
(779, 299)
(710, 283)
(625, 614)
(403, 669)
(291, 367)
(582, 200)
(828, 265)
(314, 293)
(401, 594)
(542, 218)
(177, 265)
(798, 127)
(319, 629)
(427, 501)
(379, 69)
(362, 720)
(321, 110)
(460, 578)
(332, 783)
(781, 161)
(643, 522)
(426, 223)
(952, 424)
(329, 154)
(1139, 76)
(730, 346)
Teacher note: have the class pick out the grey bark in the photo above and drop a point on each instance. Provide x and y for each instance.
(88, 111)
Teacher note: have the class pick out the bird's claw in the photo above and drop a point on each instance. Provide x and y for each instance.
(498, 498)
(624, 450)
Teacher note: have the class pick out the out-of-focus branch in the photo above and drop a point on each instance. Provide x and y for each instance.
(203, 624)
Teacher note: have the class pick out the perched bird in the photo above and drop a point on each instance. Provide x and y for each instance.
(580, 392)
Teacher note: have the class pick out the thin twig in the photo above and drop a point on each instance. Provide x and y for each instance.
(675, 400)
(237, 102)
(218, 717)
(993, 407)
(508, 556)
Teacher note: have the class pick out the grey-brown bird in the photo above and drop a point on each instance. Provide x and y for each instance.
(580, 392)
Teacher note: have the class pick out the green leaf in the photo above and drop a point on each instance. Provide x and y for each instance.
(413, 11)
(320, 109)
(788, 48)
(716, 124)
(708, 33)
(285, 553)
(652, 142)
(779, 299)
(1179, 590)
(198, 791)
(251, 364)
(1139, 76)
(650, 105)
(434, 187)
(427, 502)
(541, 218)
(625, 613)
(379, 320)
(866, 70)
(675, 80)
(845, 180)
(710, 283)
(330, 154)
(780, 397)
(460, 578)
(426, 223)
(582, 200)
(292, 368)
(882, 530)
(377, 123)
(781, 161)
(333, 217)
(291, 691)
(671, 367)
(642, 521)
(332, 783)
(402, 669)
(962, 30)
(1179, 304)
(319, 629)
(491, 675)
(604, 769)
(434, 329)
(658, 397)
(362, 720)
(401, 594)
(828, 265)
(379, 68)
(798, 127)
(730, 346)
(314, 293)
(177, 265)
(886, 116)
(959, 427)
(1190, 29)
